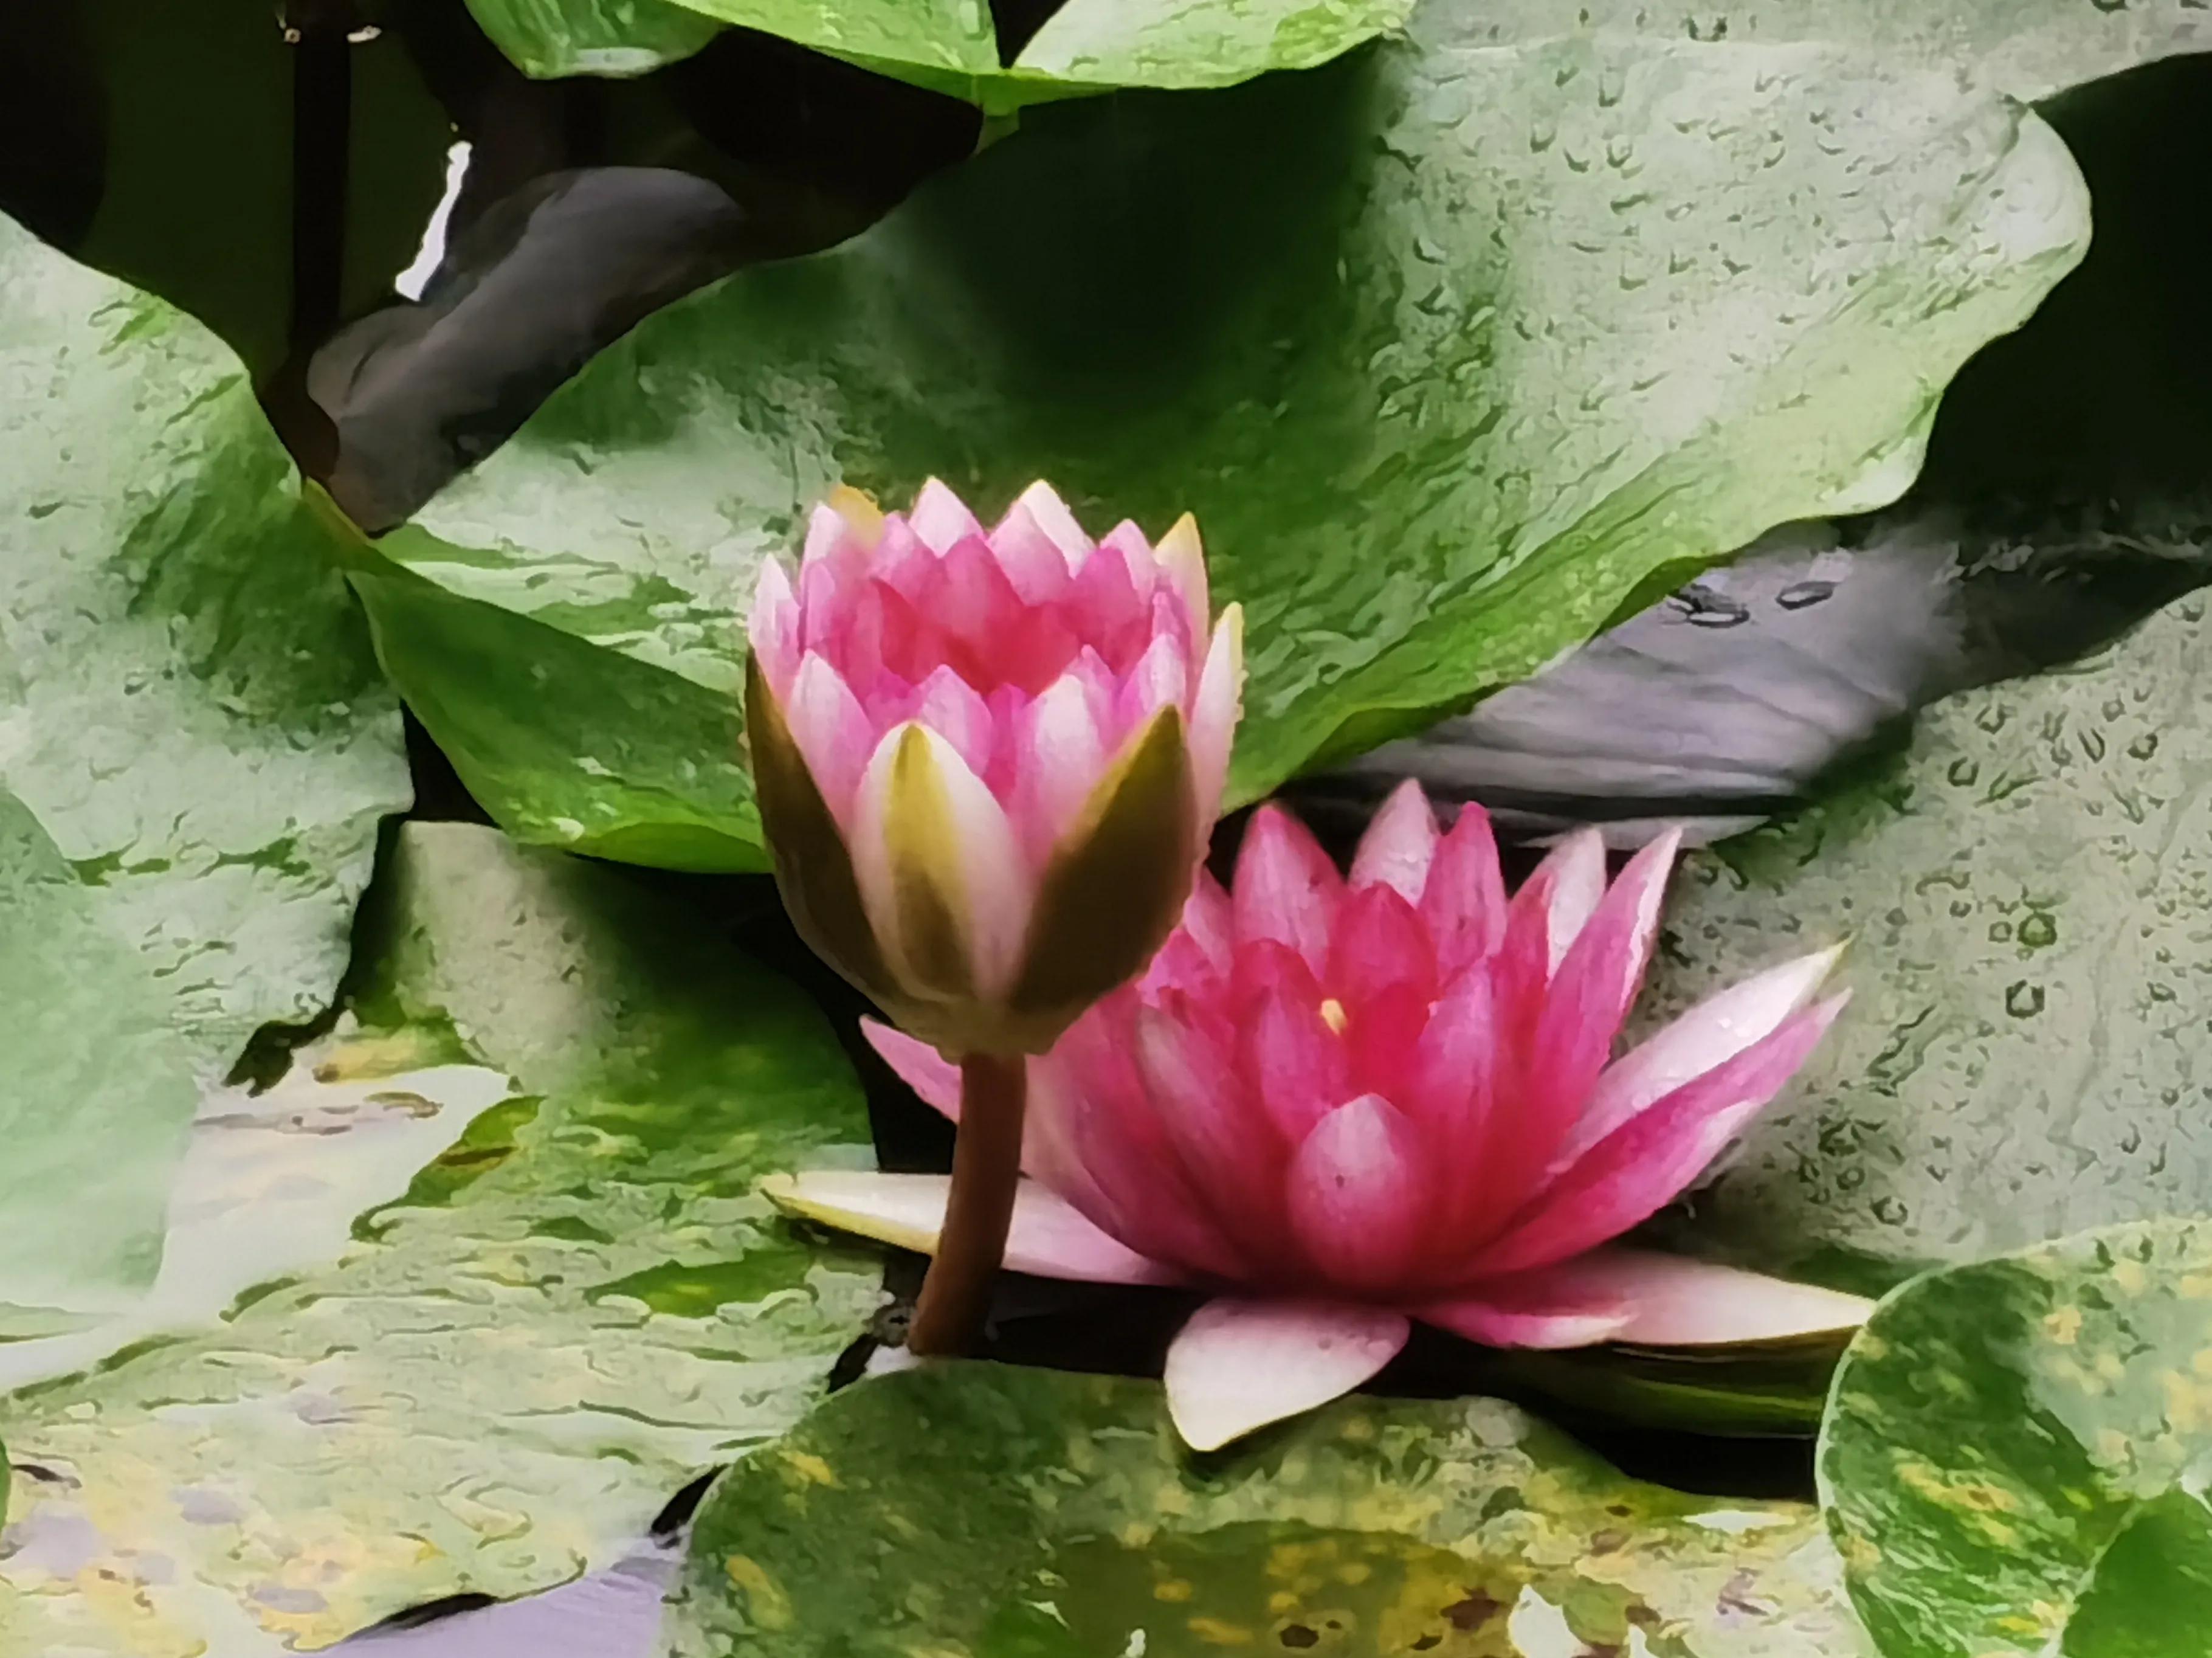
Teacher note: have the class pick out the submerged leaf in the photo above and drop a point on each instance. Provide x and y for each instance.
(975, 1507)
(1451, 351)
(2014, 1457)
(578, 1305)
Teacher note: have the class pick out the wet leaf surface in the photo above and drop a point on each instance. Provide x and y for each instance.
(479, 1395)
(2014, 1457)
(951, 45)
(982, 1508)
(1450, 351)
(192, 710)
(2025, 885)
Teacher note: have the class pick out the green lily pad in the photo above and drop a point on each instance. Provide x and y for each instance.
(99, 1095)
(2016, 1452)
(2031, 48)
(973, 1508)
(1087, 45)
(2025, 883)
(576, 1307)
(192, 708)
(1452, 352)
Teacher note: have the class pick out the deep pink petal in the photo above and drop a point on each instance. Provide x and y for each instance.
(1644, 1165)
(1399, 845)
(1464, 898)
(1224, 1145)
(1382, 1031)
(1107, 611)
(1450, 1090)
(1293, 1060)
(1379, 942)
(1285, 887)
(1358, 1188)
(941, 518)
(832, 734)
(1717, 1028)
(1239, 1365)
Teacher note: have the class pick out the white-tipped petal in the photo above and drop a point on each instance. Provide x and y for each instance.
(1213, 714)
(1063, 756)
(1239, 1365)
(1714, 1031)
(1042, 503)
(1576, 866)
(773, 629)
(941, 518)
(1181, 560)
(920, 1066)
(1672, 1301)
(1048, 1238)
(1037, 568)
(831, 732)
(1399, 845)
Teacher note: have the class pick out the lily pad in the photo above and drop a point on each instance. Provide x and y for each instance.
(2015, 1454)
(192, 710)
(1453, 351)
(973, 1507)
(2031, 48)
(576, 1308)
(2026, 883)
(99, 1094)
(1085, 47)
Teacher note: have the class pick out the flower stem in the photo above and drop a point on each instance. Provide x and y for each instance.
(987, 1161)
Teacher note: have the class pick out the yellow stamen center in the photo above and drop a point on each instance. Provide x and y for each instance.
(1332, 1015)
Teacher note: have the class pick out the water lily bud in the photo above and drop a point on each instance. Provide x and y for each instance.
(986, 762)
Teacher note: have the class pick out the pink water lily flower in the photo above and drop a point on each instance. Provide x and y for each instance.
(1347, 1104)
(986, 761)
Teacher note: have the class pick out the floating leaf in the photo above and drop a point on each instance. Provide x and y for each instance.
(1087, 45)
(1450, 350)
(2031, 48)
(574, 1309)
(2026, 883)
(2014, 1459)
(192, 708)
(979, 1508)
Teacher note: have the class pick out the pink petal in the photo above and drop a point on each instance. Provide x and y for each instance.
(1214, 711)
(941, 518)
(1463, 900)
(1358, 1190)
(1160, 680)
(1672, 1301)
(1385, 1027)
(1292, 1060)
(1565, 890)
(1126, 539)
(994, 881)
(919, 1065)
(971, 599)
(1238, 1365)
(1182, 562)
(1285, 887)
(1589, 998)
(1399, 844)
(1106, 609)
(833, 542)
(903, 561)
(1185, 1058)
(1645, 1164)
(1048, 1238)
(1051, 514)
(1451, 1091)
(1035, 565)
(1717, 1028)
(1378, 941)
(774, 628)
(1209, 922)
(832, 732)
(1060, 757)
(948, 705)
(1531, 1311)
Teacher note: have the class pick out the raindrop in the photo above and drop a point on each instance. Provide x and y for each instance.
(2039, 932)
(2023, 1000)
(1704, 607)
(2143, 747)
(1965, 773)
(1804, 595)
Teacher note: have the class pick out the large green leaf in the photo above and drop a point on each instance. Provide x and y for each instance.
(1087, 45)
(2025, 884)
(2029, 47)
(2016, 1451)
(192, 708)
(1451, 350)
(98, 1092)
(567, 1314)
(970, 1508)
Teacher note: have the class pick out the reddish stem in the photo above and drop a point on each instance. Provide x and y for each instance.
(986, 1162)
